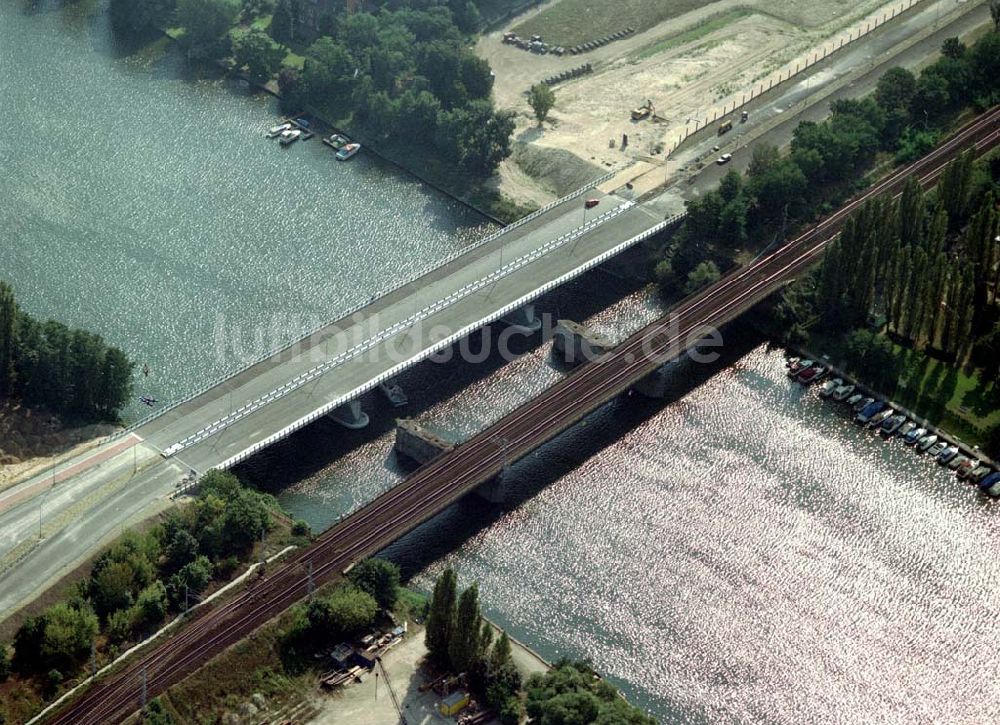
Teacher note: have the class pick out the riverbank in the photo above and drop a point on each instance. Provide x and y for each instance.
(837, 369)
(33, 440)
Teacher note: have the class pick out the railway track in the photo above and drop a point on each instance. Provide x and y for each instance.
(437, 484)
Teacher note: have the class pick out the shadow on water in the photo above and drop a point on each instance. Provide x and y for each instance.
(427, 384)
(530, 475)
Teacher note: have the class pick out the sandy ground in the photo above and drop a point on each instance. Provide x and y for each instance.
(359, 704)
(31, 441)
(683, 83)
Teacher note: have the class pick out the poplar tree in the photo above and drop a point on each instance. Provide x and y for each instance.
(463, 646)
(441, 616)
(911, 212)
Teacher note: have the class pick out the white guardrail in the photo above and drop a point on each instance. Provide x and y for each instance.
(424, 354)
(220, 379)
(318, 370)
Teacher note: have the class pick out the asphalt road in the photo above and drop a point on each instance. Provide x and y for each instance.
(85, 510)
(443, 480)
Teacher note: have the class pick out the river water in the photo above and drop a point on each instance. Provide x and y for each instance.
(147, 206)
(738, 552)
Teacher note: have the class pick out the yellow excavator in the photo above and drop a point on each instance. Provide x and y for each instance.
(642, 112)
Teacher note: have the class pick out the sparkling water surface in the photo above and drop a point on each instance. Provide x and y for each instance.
(738, 553)
(147, 205)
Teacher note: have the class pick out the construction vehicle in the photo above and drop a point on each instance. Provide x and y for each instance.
(642, 112)
(725, 126)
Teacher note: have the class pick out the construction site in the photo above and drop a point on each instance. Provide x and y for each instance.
(632, 91)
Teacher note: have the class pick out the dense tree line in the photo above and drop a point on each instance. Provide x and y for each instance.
(404, 72)
(929, 268)
(826, 160)
(459, 640)
(70, 371)
(571, 693)
(142, 577)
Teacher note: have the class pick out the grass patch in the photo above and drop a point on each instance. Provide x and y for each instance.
(706, 27)
(955, 399)
(571, 22)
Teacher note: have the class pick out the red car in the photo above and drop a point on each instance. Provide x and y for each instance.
(591, 203)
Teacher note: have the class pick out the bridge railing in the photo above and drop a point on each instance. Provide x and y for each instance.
(220, 379)
(424, 354)
(321, 369)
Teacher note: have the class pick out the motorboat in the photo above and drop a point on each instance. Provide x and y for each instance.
(905, 429)
(945, 456)
(869, 411)
(891, 425)
(914, 435)
(966, 467)
(842, 392)
(927, 442)
(349, 151)
(879, 418)
(957, 462)
(829, 387)
(336, 141)
(289, 137)
(792, 361)
(855, 399)
(937, 448)
(862, 404)
(798, 366)
(980, 473)
(811, 375)
(276, 131)
(991, 484)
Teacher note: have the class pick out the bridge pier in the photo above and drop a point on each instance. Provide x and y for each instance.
(574, 343)
(524, 318)
(350, 415)
(417, 443)
(656, 384)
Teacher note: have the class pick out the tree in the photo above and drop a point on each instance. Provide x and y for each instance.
(953, 48)
(440, 616)
(703, 275)
(181, 549)
(204, 23)
(150, 606)
(139, 18)
(501, 654)
(111, 588)
(894, 90)
(541, 99)
(156, 714)
(463, 646)
(68, 634)
(344, 613)
(378, 577)
(4, 663)
(995, 13)
(8, 342)
(255, 51)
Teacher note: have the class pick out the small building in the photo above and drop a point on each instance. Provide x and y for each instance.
(342, 656)
(454, 703)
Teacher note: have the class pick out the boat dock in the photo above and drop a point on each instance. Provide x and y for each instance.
(971, 452)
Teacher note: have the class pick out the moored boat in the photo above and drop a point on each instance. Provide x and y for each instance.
(879, 418)
(891, 425)
(966, 467)
(855, 399)
(862, 404)
(991, 484)
(904, 430)
(843, 392)
(336, 141)
(289, 137)
(276, 131)
(927, 442)
(936, 449)
(811, 375)
(873, 408)
(980, 473)
(348, 151)
(829, 387)
(914, 435)
(957, 462)
(798, 366)
(945, 456)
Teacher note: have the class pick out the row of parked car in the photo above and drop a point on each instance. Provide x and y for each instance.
(878, 415)
(536, 45)
(566, 75)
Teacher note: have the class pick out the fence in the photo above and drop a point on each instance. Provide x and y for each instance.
(787, 73)
(315, 372)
